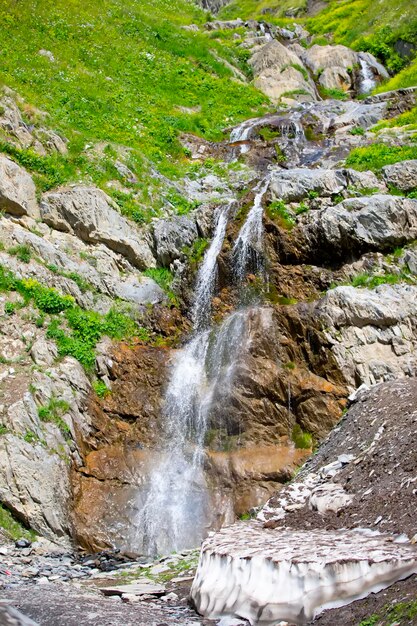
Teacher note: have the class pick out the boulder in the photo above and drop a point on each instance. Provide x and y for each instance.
(17, 190)
(318, 58)
(278, 70)
(366, 223)
(295, 184)
(171, 236)
(402, 175)
(90, 214)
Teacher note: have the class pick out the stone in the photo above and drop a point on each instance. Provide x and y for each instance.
(335, 78)
(91, 215)
(402, 175)
(17, 190)
(23, 543)
(318, 58)
(275, 74)
(134, 589)
(171, 236)
(329, 497)
(295, 184)
(35, 485)
(367, 223)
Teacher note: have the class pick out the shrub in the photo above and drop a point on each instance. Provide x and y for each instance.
(277, 211)
(377, 155)
(101, 389)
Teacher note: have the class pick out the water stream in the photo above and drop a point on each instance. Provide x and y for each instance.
(176, 512)
(368, 82)
(248, 249)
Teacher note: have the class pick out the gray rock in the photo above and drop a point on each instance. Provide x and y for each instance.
(17, 190)
(294, 185)
(171, 236)
(275, 74)
(402, 175)
(370, 222)
(318, 58)
(91, 215)
(335, 78)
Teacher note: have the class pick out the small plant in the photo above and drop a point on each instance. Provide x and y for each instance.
(268, 134)
(335, 94)
(12, 527)
(22, 252)
(290, 365)
(163, 277)
(301, 439)
(357, 130)
(279, 212)
(30, 436)
(10, 308)
(101, 389)
(53, 412)
(3, 429)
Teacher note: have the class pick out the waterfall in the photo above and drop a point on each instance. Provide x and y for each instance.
(174, 514)
(242, 133)
(368, 82)
(248, 248)
(207, 274)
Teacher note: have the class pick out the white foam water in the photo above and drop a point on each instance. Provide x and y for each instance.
(248, 249)
(368, 82)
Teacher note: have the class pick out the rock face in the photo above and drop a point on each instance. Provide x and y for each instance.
(375, 222)
(17, 190)
(295, 184)
(171, 236)
(372, 332)
(91, 215)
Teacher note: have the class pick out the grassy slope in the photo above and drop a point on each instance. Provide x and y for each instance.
(122, 69)
(373, 25)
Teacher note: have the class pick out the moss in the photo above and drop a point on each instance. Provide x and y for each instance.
(278, 212)
(12, 527)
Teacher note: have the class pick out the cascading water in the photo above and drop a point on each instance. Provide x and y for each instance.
(173, 516)
(176, 512)
(368, 82)
(242, 133)
(248, 248)
(207, 274)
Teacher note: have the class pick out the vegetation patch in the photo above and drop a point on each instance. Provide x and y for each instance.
(12, 527)
(301, 439)
(377, 155)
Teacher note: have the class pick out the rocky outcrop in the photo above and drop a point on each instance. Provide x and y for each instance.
(279, 71)
(376, 222)
(172, 236)
(372, 333)
(17, 190)
(402, 175)
(91, 215)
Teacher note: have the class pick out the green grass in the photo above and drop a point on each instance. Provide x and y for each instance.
(13, 528)
(377, 155)
(84, 329)
(122, 71)
(101, 388)
(278, 212)
(163, 277)
(246, 9)
(22, 252)
(400, 612)
(53, 412)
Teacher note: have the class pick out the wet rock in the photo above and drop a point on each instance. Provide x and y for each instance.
(91, 215)
(402, 175)
(17, 190)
